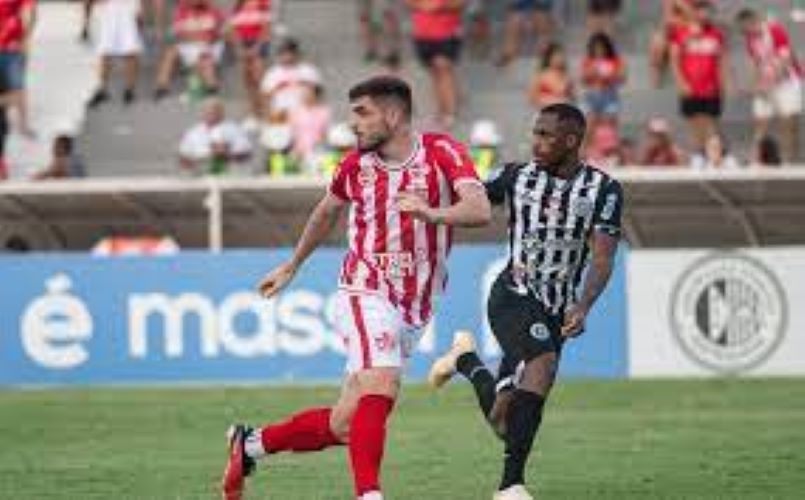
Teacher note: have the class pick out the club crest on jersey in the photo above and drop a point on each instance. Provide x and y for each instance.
(582, 207)
(367, 174)
(552, 206)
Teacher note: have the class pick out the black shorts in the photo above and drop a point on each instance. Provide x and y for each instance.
(692, 106)
(428, 50)
(521, 326)
(600, 7)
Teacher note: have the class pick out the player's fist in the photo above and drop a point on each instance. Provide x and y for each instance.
(574, 322)
(414, 204)
(276, 280)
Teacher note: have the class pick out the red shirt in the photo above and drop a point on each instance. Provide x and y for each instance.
(251, 20)
(12, 29)
(440, 24)
(604, 71)
(769, 47)
(197, 24)
(390, 252)
(700, 52)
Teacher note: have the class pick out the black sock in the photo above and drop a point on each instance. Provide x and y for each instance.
(471, 366)
(522, 422)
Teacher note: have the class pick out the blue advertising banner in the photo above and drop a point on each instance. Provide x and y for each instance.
(195, 317)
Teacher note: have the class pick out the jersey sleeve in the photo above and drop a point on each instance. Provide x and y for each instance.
(608, 210)
(339, 185)
(455, 162)
(500, 183)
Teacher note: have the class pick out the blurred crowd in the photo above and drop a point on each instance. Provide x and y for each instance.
(289, 126)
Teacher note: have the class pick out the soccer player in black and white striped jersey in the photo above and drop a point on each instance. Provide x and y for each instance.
(563, 215)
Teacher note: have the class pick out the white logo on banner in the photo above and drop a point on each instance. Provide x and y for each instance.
(55, 326)
(728, 312)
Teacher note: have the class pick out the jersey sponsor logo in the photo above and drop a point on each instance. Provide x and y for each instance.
(394, 264)
(728, 312)
(540, 332)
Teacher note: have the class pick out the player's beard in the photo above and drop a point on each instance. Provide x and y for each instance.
(374, 142)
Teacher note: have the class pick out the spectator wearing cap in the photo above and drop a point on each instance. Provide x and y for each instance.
(287, 82)
(118, 37)
(198, 32)
(700, 59)
(778, 79)
(485, 141)
(214, 144)
(17, 18)
(659, 149)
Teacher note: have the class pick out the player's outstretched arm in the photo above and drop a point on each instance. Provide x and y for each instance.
(471, 210)
(319, 225)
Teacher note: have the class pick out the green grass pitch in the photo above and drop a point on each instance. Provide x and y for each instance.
(716, 439)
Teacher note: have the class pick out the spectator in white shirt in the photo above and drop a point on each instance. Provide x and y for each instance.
(213, 145)
(716, 155)
(287, 82)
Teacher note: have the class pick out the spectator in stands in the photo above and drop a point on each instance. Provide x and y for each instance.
(603, 72)
(309, 125)
(250, 23)
(380, 31)
(627, 153)
(602, 145)
(675, 15)
(699, 56)
(17, 18)
(287, 82)
(767, 152)
(778, 79)
(521, 14)
(601, 16)
(119, 24)
(659, 149)
(197, 29)
(551, 83)
(214, 144)
(65, 163)
(716, 155)
(436, 27)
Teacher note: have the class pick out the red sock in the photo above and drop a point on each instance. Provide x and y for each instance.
(306, 431)
(367, 437)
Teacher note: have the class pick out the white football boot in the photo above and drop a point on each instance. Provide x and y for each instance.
(514, 492)
(445, 367)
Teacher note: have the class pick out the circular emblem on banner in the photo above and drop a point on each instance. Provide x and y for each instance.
(728, 312)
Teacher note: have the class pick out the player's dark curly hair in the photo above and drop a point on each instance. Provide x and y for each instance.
(569, 116)
(384, 87)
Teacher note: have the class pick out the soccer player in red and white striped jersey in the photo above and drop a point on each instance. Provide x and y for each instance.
(404, 191)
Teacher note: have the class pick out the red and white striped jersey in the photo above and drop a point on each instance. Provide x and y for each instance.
(390, 252)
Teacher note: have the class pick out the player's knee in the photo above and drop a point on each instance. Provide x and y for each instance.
(539, 373)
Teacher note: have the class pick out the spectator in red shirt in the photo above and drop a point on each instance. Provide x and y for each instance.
(675, 14)
(699, 57)
(250, 25)
(778, 79)
(197, 28)
(436, 27)
(17, 19)
(551, 83)
(659, 149)
(603, 72)
(540, 13)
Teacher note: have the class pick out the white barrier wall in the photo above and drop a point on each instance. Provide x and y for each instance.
(707, 312)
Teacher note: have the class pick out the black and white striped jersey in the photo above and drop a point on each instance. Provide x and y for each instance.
(550, 224)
